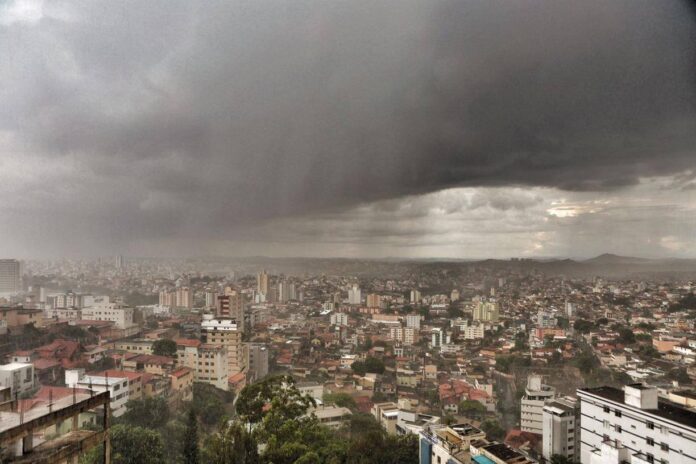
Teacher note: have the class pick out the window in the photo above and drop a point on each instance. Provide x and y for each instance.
(617, 428)
(650, 441)
(650, 425)
(617, 413)
(650, 458)
(606, 409)
(664, 447)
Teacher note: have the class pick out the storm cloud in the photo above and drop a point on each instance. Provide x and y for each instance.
(146, 121)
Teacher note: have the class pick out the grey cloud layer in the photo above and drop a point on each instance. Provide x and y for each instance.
(191, 119)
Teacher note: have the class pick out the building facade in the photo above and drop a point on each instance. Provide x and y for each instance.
(634, 426)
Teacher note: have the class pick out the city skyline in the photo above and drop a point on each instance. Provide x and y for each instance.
(351, 129)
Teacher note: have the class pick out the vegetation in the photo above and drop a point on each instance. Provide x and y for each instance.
(343, 400)
(371, 365)
(164, 347)
(152, 412)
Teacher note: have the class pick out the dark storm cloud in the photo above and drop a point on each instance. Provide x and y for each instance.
(196, 117)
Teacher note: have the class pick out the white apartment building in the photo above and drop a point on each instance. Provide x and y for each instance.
(406, 335)
(121, 316)
(634, 426)
(19, 377)
(473, 332)
(532, 404)
(561, 429)
(414, 321)
(354, 295)
(119, 391)
(339, 319)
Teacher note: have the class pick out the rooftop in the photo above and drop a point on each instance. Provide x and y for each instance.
(665, 409)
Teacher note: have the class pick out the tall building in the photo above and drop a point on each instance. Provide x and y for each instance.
(570, 309)
(413, 320)
(561, 429)
(262, 283)
(415, 296)
(210, 298)
(231, 305)
(454, 296)
(536, 395)
(486, 311)
(354, 295)
(634, 426)
(257, 360)
(374, 300)
(10, 276)
(339, 319)
(287, 291)
(184, 298)
(208, 361)
(225, 332)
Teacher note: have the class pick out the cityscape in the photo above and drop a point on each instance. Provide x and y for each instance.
(348, 232)
(502, 361)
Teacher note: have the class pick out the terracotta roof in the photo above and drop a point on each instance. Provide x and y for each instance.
(188, 342)
(182, 371)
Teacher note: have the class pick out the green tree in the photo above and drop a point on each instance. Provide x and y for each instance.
(164, 347)
(190, 451)
(129, 445)
(232, 444)
(147, 412)
(343, 400)
(472, 408)
(374, 365)
(583, 326)
(493, 430)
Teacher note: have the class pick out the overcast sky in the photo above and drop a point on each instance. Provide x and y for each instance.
(406, 128)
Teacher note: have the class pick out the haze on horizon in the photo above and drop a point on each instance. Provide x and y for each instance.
(359, 128)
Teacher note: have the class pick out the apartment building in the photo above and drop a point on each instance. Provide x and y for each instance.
(118, 388)
(208, 362)
(18, 377)
(226, 332)
(121, 316)
(561, 429)
(634, 426)
(536, 394)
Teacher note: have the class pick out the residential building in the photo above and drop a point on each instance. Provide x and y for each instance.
(262, 284)
(19, 377)
(561, 429)
(226, 332)
(532, 404)
(121, 316)
(439, 444)
(486, 311)
(634, 426)
(116, 386)
(339, 319)
(208, 361)
(354, 295)
(413, 320)
(231, 305)
(415, 297)
(10, 276)
(374, 301)
(257, 360)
